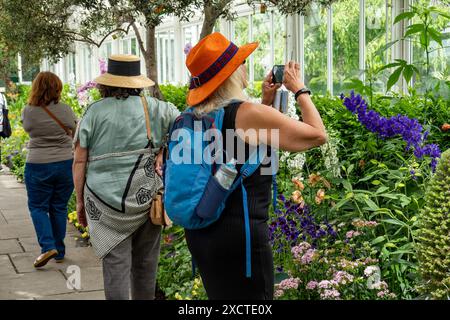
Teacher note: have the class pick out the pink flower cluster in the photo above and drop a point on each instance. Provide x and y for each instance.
(368, 271)
(342, 277)
(386, 294)
(83, 97)
(326, 284)
(382, 285)
(88, 85)
(278, 293)
(352, 234)
(303, 253)
(359, 223)
(308, 257)
(312, 285)
(286, 284)
(300, 249)
(326, 287)
(103, 66)
(347, 264)
(330, 294)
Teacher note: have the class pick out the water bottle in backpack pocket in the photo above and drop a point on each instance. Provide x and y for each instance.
(216, 190)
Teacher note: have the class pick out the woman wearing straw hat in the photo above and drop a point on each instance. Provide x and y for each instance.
(218, 76)
(114, 174)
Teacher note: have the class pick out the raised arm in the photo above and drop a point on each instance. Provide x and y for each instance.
(292, 135)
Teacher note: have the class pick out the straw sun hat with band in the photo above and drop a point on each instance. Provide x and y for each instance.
(124, 71)
(212, 61)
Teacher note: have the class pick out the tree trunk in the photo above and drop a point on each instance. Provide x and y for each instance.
(151, 60)
(210, 18)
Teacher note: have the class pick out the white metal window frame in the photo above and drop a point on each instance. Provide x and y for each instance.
(362, 41)
(403, 50)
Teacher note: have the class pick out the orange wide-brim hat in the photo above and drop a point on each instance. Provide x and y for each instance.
(212, 61)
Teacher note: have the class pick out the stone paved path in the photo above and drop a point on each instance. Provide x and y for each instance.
(19, 247)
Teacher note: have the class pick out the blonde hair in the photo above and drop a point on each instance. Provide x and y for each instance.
(232, 88)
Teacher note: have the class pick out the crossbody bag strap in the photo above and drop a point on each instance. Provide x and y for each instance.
(67, 130)
(147, 118)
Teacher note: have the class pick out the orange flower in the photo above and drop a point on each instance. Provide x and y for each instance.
(298, 184)
(362, 164)
(313, 179)
(168, 239)
(320, 196)
(326, 183)
(445, 127)
(297, 196)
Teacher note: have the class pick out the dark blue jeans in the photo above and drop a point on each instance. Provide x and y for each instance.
(49, 187)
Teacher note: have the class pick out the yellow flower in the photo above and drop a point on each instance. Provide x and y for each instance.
(178, 296)
(194, 293)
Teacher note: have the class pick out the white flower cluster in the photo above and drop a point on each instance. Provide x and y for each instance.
(297, 162)
(291, 111)
(329, 153)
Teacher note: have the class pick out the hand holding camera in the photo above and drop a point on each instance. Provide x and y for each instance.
(269, 88)
(292, 77)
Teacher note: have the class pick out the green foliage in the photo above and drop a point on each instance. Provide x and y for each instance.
(375, 182)
(254, 90)
(175, 94)
(426, 26)
(175, 272)
(433, 245)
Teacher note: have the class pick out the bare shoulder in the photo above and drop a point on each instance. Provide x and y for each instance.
(255, 115)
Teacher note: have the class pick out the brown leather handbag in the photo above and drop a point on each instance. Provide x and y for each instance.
(157, 213)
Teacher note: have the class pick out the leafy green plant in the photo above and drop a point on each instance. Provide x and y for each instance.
(433, 246)
(175, 276)
(175, 94)
(426, 30)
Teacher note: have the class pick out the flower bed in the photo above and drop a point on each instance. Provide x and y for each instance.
(347, 216)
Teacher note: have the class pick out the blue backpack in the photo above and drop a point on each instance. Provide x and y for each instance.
(190, 186)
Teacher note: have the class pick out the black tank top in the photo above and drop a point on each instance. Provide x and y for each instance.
(258, 186)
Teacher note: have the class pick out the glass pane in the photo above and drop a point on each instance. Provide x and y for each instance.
(315, 45)
(279, 24)
(109, 49)
(345, 43)
(134, 47)
(439, 57)
(241, 30)
(376, 56)
(261, 56)
(172, 57)
(125, 46)
(217, 26)
(159, 58)
(29, 72)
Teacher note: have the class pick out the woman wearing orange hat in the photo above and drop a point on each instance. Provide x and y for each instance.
(219, 76)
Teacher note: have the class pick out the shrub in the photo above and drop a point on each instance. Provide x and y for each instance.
(433, 244)
(175, 94)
